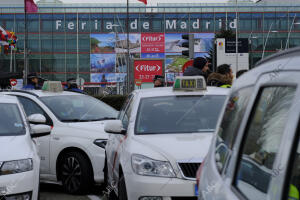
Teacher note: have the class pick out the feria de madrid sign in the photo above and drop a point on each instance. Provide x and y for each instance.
(169, 25)
(145, 70)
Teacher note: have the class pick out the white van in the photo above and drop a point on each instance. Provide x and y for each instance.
(255, 153)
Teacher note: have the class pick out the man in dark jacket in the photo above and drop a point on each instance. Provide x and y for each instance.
(32, 82)
(199, 68)
(222, 78)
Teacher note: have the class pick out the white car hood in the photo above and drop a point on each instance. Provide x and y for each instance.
(188, 147)
(90, 129)
(15, 148)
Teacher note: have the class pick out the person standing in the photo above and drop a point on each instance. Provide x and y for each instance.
(222, 78)
(32, 82)
(158, 81)
(72, 85)
(199, 68)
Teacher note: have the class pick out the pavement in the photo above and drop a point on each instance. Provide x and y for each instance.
(55, 192)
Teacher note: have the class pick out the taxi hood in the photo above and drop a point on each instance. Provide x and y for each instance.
(188, 147)
(15, 148)
(92, 130)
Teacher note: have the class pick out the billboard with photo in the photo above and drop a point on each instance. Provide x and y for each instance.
(173, 42)
(103, 63)
(134, 43)
(174, 62)
(103, 43)
(203, 42)
(107, 77)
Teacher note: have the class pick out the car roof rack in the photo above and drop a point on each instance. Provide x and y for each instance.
(21, 91)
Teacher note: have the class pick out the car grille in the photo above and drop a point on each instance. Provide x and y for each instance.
(189, 170)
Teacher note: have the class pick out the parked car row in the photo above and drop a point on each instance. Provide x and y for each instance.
(241, 143)
(72, 155)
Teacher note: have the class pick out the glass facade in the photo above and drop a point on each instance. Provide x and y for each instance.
(58, 47)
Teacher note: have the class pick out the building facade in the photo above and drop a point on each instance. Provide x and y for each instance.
(95, 49)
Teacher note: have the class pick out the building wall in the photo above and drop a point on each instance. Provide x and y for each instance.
(52, 33)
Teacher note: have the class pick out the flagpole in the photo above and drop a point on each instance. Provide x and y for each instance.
(25, 45)
(128, 64)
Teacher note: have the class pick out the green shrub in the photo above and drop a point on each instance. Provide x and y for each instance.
(115, 101)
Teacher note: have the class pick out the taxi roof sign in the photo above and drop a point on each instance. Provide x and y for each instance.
(189, 83)
(52, 86)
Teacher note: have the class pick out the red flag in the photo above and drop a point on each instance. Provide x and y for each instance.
(143, 1)
(30, 6)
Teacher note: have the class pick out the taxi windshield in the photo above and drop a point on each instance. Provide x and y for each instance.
(179, 114)
(79, 108)
(11, 123)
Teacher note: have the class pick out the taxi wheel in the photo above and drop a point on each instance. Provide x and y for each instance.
(75, 173)
(122, 193)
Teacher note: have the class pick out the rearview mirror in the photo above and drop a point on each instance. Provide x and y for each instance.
(40, 130)
(37, 119)
(114, 127)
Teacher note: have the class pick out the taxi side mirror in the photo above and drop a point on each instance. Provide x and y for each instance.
(114, 127)
(40, 130)
(37, 119)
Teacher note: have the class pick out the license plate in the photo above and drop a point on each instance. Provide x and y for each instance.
(188, 83)
(196, 190)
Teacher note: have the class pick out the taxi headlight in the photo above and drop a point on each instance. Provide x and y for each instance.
(16, 166)
(145, 166)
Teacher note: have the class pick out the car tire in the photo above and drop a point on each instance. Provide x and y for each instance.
(122, 192)
(75, 173)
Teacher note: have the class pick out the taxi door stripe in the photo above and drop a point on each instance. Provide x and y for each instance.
(116, 154)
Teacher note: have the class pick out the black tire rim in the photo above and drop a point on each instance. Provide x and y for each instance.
(71, 174)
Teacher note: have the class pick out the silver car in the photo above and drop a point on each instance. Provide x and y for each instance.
(255, 153)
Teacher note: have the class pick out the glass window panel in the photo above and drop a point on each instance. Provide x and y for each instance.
(262, 140)
(230, 125)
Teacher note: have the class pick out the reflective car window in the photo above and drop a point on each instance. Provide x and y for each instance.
(179, 114)
(230, 125)
(262, 140)
(30, 107)
(11, 123)
(77, 108)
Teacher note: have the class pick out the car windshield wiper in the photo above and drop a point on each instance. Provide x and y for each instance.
(87, 120)
(104, 118)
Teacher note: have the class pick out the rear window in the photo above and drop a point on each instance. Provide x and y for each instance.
(179, 114)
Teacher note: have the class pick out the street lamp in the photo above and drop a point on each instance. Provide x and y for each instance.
(288, 38)
(263, 53)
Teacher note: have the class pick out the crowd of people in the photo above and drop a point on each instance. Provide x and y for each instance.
(34, 82)
(223, 77)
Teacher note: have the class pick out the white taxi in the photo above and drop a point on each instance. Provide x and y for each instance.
(160, 140)
(19, 160)
(74, 153)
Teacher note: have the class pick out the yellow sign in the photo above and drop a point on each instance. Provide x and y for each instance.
(188, 83)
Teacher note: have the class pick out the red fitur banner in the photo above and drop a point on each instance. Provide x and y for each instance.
(145, 70)
(143, 1)
(30, 6)
(152, 43)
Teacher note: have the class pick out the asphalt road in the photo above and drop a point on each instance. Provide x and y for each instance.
(55, 192)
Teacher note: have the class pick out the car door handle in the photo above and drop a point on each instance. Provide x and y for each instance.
(56, 138)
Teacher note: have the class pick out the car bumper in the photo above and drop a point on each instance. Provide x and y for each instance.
(21, 184)
(166, 188)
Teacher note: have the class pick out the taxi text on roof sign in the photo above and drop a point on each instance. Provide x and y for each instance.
(52, 86)
(189, 83)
